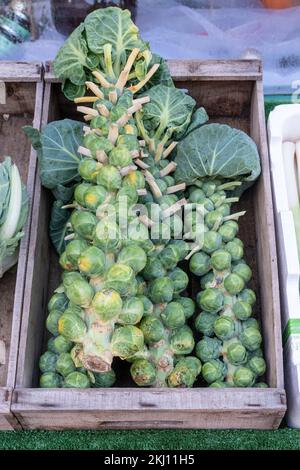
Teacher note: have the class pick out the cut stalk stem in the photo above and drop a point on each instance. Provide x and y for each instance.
(101, 156)
(192, 252)
(141, 192)
(169, 149)
(143, 100)
(141, 164)
(176, 188)
(235, 216)
(168, 169)
(134, 108)
(101, 79)
(230, 184)
(127, 169)
(138, 86)
(88, 111)
(113, 133)
(142, 143)
(85, 99)
(159, 151)
(103, 110)
(174, 208)
(95, 89)
(84, 151)
(135, 153)
(122, 80)
(123, 120)
(69, 237)
(113, 96)
(88, 117)
(152, 184)
(146, 221)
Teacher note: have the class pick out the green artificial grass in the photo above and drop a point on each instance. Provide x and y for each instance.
(274, 100)
(283, 439)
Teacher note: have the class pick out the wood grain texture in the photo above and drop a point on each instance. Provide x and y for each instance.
(20, 71)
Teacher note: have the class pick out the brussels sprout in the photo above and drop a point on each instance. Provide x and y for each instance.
(129, 194)
(99, 122)
(52, 321)
(236, 353)
(65, 263)
(83, 223)
(141, 285)
(92, 261)
(179, 279)
(169, 257)
(128, 141)
(109, 177)
(88, 169)
(243, 270)
(228, 230)
(248, 295)
(80, 293)
(224, 328)
(72, 327)
(242, 310)
(218, 384)
(213, 219)
(251, 338)
(212, 241)
(250, 322)
(107, 304)
(117, 112)
(76, 380)
(95, 143)
(173, 315)
(80, 190)
(120, 277)
(185, 372)
(224, 209)
(169, 180)
(69, 278)
(182, 341)
(148, 305)
(107, 235)
(188, 306)
(74, 249)
(260, 385)
(204, 323)
(59, 344)
(152, 328)
(209, 188)
(257, 365)
(138, 232)
(104, 379)
(182, 248)
(135, 179)
(65, 364)
(94, 196)
(132, 311)
(221, 260)
(208, 348)
(211, 300)
(50, 380)
(208, 281)
(161, 290)
(208, 205)
(218, 197)
(234, 284)
(243, 377)
(197, 196)
(214, 370)
(120, 156)
(127, 341)
(143, 373)
(133, 256)
(236, 251)
(153, 269)
(58, 301)
(48, 362)
(200, 264)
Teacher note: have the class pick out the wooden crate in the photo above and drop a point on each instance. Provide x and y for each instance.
(21, 99)
(232, 93)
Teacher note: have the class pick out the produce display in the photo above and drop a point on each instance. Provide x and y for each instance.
(144, 189)
(13, 214)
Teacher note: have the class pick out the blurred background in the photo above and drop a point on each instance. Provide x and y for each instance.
(206, 29)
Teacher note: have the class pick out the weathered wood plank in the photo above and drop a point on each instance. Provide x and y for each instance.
(20, 71)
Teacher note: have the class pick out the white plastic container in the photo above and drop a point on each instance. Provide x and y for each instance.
(284, 126)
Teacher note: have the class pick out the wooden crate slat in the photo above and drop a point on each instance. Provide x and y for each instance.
(20, 71)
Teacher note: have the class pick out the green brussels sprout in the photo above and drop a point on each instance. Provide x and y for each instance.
(218, 384)
(213, 219)
(208, 280)
(228, 230)
(69, 278)
(65, 364)
(209, 188)
(141, 285)
(248, 295)
(109, 177)
(135, 179)
(197, 196)
(80, 190)
(250, 322)
(52, 321)
(107, 304)
(92, 261)
(182, 248)
(148, 305)
(104, 379)
(204, 323)
(75, 310)
(225, 210)
(95, 143)
(48, 362)
(117, 112)
(152, 328)
(242, 310)
(234, 284)
(251, 338)
(153, 269)
(257, 365)
(94, 196)
(211, 300)
(169, 257)
(143, 373)
(58, 301)
(236, 251)
(76, 380)
(224, 328)
(138, 232)
(169, 180)
(119, 277)
(50, 380)
(182, 341)
(208, 205)
(99, 122)
(129, 193)
(74, 249)
(133, 256)
(236, 353)
(212, 241)
(107, 235)
(208, 348)
(59, 345)
(127, 341)
(83, 223)
(132, 311)
(243, 377)
(243, 270)
(161, 290)
(218, 197)
(260, 385)
(221, 260)
(173, 315)
(65, 263)
(120, 156)
(179, 279)
(128, 141)
(200, 264)
(161, 184)
(72, 327)
(80, 293)
(185, 372)
(214, 371)
(188, 306)
(88, 169)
